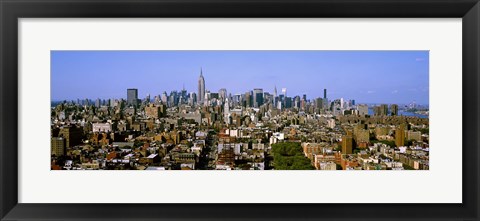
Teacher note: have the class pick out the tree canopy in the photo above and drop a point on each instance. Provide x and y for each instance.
(289, 156)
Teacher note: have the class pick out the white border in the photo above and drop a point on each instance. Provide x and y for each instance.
(441, 184)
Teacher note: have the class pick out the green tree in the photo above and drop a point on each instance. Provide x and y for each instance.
(290, 156)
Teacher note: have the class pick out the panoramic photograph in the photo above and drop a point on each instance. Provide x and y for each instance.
(239, 110)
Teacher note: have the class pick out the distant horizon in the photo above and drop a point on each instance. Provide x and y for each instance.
(151, 99)
(368, 77)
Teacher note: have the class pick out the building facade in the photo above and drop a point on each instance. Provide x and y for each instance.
(58, 146)
(132, 96)
(201, 88)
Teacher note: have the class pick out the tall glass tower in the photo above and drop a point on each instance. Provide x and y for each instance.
(132, 96)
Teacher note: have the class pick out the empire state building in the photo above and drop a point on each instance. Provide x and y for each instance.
(201, 88)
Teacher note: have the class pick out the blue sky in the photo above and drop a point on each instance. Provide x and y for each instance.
(366, 76)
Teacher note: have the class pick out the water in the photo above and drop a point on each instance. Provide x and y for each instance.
(402, 113)
(411, 114)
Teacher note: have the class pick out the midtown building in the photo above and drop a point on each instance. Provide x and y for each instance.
(201, 88)
(319, 103)
(132, 96)
(275, 98)
(257, 97)
(222, 94)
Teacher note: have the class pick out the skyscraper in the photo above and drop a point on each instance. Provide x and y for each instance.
(384, 109)
(132, 96)
(275, 99)
(381, 110)
(193, 98)
(201, 88)
(318, 104)
(257, 97)
(394, 109)
(325, 93)
(288, 102)
(226, 112)
(284, 92)
(222, 94)
(164, 97)
(296, 101)
(97, 102)
(248, 99)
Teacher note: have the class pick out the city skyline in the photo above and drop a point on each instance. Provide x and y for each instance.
(355, 72)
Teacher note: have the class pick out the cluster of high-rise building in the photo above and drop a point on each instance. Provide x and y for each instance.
(219, 130)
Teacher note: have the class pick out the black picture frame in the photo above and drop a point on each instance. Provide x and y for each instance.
(12, 10)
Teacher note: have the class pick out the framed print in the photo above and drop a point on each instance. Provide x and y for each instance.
(239, 110)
